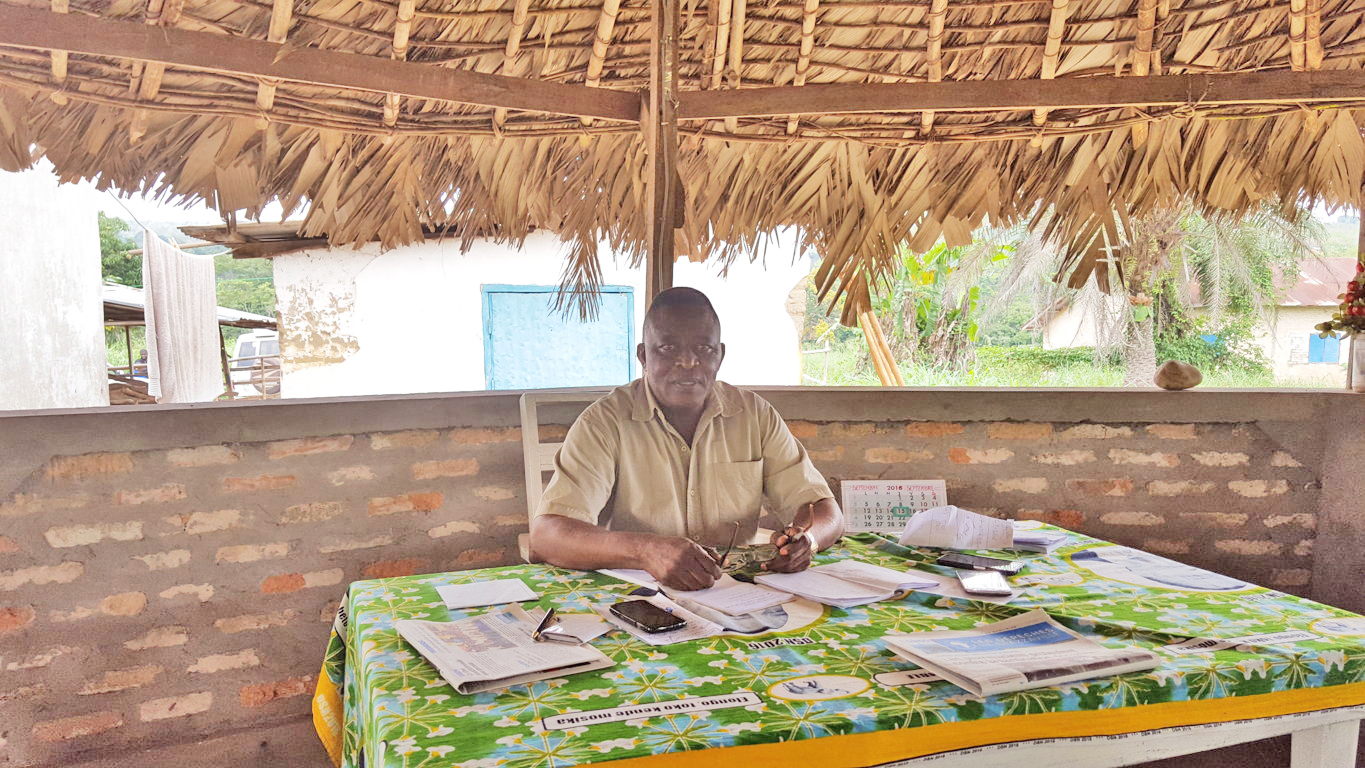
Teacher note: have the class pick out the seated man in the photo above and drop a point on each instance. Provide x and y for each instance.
(660, 473)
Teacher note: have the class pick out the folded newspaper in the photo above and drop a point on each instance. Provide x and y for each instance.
(1025, 651)
(495, 650)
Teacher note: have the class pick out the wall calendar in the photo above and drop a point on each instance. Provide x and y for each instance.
(885, 505)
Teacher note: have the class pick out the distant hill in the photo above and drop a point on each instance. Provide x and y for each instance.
(170, 232)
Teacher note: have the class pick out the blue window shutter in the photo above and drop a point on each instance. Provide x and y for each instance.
(1316, 346)
(1331, 350)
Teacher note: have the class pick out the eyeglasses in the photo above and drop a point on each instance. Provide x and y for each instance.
(548, 630)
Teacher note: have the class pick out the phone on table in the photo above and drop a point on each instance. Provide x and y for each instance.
(646, 616)
(984, 583)
(980, 563)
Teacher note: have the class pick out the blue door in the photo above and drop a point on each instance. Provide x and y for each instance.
(528, 344)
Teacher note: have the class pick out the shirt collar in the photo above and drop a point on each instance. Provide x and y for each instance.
(645, 406)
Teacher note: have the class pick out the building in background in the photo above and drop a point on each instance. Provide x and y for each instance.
(431, 317)
(51, 311)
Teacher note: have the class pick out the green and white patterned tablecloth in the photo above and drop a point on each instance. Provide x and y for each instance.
(819, 695)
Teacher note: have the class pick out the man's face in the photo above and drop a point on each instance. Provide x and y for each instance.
(681, 354)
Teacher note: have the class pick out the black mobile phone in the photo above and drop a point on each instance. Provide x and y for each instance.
(647, 616)
(979, 563)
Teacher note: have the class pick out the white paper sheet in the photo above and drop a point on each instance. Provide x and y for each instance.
(953, 527)
(457, 596)
(732, 597)
(631, 576)
(813, 584)
(877, 576)
(584, 626)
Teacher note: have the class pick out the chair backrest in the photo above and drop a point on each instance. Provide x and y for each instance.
(539, 457)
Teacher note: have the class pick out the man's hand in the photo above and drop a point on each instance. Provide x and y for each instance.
(794, 550)
(681, 563)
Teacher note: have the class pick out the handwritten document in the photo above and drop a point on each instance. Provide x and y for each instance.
(953, 527)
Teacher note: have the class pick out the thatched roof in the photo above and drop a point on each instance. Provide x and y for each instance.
(881, 172)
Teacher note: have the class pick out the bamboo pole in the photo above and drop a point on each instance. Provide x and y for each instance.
(887, 354)
(938, 11)
(660, 128)
(874, 350)
(1052, 50)
(1142, 55)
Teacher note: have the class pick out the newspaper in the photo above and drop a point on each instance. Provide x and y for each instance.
(495, 650)
(1030, 650)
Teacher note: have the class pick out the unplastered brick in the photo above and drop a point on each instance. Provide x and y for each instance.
(1168, 546)
(1066, 518)
(1020, 485)
(88, 465)
(123, 604)
(257, 483)
(161, 494)
(39, 660)
(68, 728)
(1132, 517)
(429, 470)
(494, 493)
(308, 446)
(120, 680)
(1302, 519)
(1230, 520)
(250, 553)
(14, 618)
(24, 504)
(388, 569)
(1291, 577)
(408, 502)
(1095, 432)
(159, 637)
(960, 455)
(63, 573)
(1304, 548)
(63, 536)
(1258, 489)
(1250, 547)
(264, 693)
(826, 454)
(550, 433)
(1179, 487)
(1220, 458)
(1283, 459)
(460, 526)
(203, 456)
(1172, 431)
(803, 430)
(175, 706)
(1140, 458)
(254, 621)
(479, 558)
(412, 438)
(8, 545)
(1108, 486)
(201, 592)
(1065, 458)
(349, 544)
(221, 662)
(480, 436)
(312, 512)
(199, 523)
(895, 456)
(162, 561)
(1018, 430)
(293, 582)
(933, 429)
(852, 429)
(356, 474)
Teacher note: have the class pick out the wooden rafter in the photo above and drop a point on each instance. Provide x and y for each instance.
(661, 139)
(43, 30)
(736, 52)
(606, 27)
(808, 14)
(722, 45)
(402, 33)
(938, 12)
(1052, 50)
(520, 11)
(1142, 54)
(59, 57)
(281, 19)
(995, 95)
(1298, 23)
(146, 81)
(1313, 53)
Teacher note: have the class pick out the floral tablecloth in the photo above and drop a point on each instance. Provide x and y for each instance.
(830, 693)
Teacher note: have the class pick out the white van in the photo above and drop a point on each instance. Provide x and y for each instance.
(255, 364)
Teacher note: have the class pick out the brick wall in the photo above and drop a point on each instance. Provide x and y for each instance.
(169, 573)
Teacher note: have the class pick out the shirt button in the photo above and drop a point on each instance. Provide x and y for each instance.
(692, 494)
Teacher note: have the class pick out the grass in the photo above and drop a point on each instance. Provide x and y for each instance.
(848, 365)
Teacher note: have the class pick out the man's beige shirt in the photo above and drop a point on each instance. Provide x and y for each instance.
(624, 467)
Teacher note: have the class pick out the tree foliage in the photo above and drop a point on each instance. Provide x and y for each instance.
(117, 264)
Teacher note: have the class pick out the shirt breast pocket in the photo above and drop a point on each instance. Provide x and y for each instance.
(735, 489)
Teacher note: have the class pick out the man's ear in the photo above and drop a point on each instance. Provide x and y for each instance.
(722, 354)
(640, 353)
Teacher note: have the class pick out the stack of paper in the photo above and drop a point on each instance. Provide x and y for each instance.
(846, 583)
(953, 527)
(732, 597)
(497, 592)
(1038, 541)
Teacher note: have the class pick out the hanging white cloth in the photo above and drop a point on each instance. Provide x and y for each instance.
(184, 362)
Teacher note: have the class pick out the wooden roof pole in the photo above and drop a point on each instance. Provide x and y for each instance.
(606, 27)
(938, 12)
(660, 128)
(509, 65)
(737, 9)
(722, 43)
(402, 30)
(59, 57)
(1142, 55)
(1313, 53)
(146, 82)
(281, 19)
(1052, 50)
(811, 8)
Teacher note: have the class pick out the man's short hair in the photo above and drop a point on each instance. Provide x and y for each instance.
(681, 297)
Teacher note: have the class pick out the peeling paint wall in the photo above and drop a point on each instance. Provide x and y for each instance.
(359, 322)
(51, 311)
